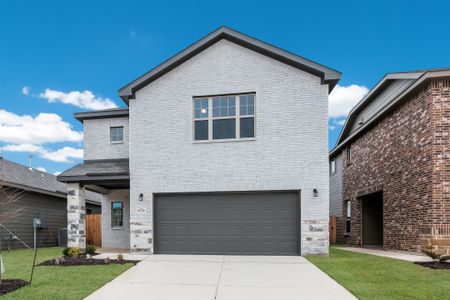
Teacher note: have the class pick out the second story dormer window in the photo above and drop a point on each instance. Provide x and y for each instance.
(116, 134)
(228, 117)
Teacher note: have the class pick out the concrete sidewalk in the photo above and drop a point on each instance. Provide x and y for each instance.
(222, 277)
(390, 254)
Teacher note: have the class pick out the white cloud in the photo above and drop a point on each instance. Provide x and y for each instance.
(343, 98)
(42, 169)
(44, 128)
(56, 173)
(332, 127)
(61, 155)
(26, 90)
(22, 148)
(85, 99)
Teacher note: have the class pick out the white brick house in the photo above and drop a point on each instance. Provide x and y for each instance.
(222, 150)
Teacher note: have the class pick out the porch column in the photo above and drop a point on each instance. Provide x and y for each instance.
(76, 211)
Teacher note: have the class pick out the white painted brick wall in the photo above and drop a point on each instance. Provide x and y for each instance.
(116, 238)
(97, 143)
(290, 151)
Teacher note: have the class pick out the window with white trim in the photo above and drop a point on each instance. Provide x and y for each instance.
(116, 134)
(348, 216)
(333, 166)
(349, 154)
(224, 117)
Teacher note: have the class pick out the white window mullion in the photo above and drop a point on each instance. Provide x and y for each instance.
(210, 122)
(238, 117)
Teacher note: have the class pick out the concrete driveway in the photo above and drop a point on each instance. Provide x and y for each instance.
(222, 277)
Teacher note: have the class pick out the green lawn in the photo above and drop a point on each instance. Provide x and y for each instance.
(374, 277)
(55, 282)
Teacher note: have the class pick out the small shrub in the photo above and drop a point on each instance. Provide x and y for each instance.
(90, 249)
(120, 257)
(74, 252)
(107, 260)
(66, 251)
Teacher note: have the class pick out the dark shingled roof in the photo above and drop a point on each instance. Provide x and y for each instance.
(16, 175)
(100, 114)
(97, 169)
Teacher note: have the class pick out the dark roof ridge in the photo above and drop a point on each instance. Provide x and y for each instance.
(327, 74)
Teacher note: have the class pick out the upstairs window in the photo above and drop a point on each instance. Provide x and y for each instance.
(333, 166)
(349, 155)
(116, 134)
(117, 214)
(201, 116)
(224, 117)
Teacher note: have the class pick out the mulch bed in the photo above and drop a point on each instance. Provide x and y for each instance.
(434, 265)
(68, 261)
(10, 285)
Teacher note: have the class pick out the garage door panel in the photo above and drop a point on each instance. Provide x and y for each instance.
(211, 230)
(227, 216)
(232, 246)
(244, 223)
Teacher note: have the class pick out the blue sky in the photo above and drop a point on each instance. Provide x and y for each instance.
(75, 55)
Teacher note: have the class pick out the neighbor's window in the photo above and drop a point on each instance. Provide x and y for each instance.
(333, 166)
(117, 214)
(349, 154)
(348, 216)
(224, 117)
(117, 134)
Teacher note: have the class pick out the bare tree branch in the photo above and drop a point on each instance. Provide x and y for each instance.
(8, 197)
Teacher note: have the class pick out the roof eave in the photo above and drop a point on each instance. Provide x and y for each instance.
(386, 78)
(45, 192)
(425, 77)
(101, 114)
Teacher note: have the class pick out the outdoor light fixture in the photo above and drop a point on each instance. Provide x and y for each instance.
(141, 197)
(315, 193)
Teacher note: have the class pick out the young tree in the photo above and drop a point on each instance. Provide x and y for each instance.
(8, 208)
(8, 196)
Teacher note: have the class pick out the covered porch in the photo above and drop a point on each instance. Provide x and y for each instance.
(111, 178)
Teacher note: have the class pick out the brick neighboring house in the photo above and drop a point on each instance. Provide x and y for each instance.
(222, 149)
(390, 169)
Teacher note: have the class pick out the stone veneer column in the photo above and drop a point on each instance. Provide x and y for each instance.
(76, 210)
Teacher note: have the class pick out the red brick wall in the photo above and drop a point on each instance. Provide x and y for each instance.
(440, 94)
(401, 156)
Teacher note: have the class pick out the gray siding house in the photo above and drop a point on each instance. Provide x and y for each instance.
(40, 196)
(222, 149)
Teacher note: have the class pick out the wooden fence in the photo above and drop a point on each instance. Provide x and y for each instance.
(94, 230)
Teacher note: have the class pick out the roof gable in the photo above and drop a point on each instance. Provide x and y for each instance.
(407, 83)
(327, 75)
(381, 90)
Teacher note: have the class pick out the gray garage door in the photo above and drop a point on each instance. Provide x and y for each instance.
(228, 223)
